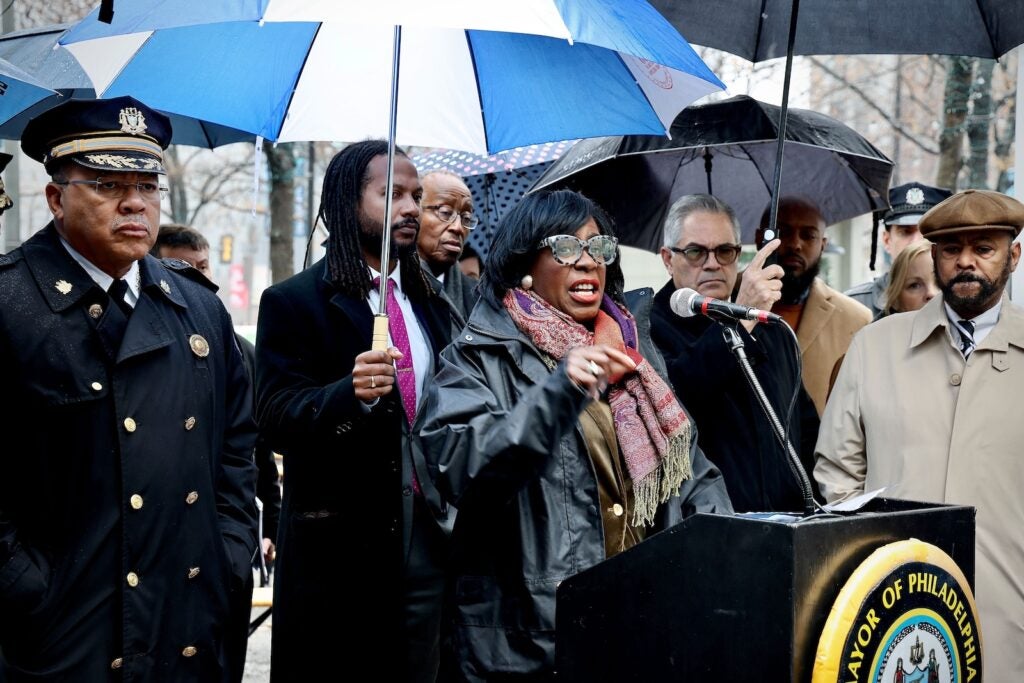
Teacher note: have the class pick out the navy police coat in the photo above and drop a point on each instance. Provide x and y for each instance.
(126, 503)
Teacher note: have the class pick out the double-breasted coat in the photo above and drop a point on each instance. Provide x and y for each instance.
(344, 532)
(908, 413)
(126, 497)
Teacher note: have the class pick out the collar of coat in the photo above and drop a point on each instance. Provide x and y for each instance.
(64, 282)
(1008, 331)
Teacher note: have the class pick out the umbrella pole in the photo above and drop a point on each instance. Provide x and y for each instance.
(707, 168)
(380, 320)
(771, 233)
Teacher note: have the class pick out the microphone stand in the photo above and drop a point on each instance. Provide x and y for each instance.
(735, 343)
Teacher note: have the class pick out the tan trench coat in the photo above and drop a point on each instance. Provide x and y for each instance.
(908, 413)
(828, 323)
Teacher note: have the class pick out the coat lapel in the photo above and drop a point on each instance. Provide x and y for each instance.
(817, 312)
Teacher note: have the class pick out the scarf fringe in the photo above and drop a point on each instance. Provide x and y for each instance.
(664, 482)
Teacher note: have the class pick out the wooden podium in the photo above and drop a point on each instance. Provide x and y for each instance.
(732, 599)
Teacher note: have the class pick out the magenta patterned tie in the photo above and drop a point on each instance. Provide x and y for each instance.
(403, 366)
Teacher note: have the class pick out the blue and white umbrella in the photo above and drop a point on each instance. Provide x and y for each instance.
(19, 91)
(475, 75)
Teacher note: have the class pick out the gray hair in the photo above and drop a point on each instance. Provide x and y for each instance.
(691, 204)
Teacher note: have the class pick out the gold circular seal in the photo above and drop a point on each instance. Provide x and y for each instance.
(199, 345)
(906, 614)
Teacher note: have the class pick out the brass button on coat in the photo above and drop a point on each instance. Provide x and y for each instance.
(190, 423)
(136, 502)
(95, 311)
(116, 664)
(617, 510)
(191, 497)
(133, 579)
(199, 345)
(188, 651)
(96, 386)
(129, 425)
(193, 572)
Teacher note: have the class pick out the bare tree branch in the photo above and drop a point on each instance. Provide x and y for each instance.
(896, 125)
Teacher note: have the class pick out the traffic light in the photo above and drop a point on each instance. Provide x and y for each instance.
(227, 248)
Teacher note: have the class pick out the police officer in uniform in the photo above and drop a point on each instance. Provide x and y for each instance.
(127, 514)
(907, 204)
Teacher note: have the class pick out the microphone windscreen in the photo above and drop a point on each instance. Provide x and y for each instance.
(680, 302)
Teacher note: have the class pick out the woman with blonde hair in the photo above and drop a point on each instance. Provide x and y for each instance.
(911, 280)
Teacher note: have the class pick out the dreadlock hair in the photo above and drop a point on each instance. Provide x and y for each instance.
(344, 182)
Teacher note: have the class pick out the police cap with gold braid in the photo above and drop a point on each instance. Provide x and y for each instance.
(119, 134)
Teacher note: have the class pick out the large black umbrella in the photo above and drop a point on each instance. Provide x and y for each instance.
(36, 52)
(759, 29)
(727, 148)
(765, 29)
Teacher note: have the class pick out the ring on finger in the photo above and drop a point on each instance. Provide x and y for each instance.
(594, 369)
(373, 381)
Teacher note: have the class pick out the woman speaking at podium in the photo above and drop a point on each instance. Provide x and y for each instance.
(550, 428)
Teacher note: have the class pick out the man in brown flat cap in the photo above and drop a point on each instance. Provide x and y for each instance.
(928, 405)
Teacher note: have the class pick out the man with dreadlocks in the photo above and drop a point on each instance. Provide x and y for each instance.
(357, 500)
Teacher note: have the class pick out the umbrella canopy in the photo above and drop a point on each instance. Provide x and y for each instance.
(496, 181)
(19, 90)
(728, 147)
(474, 76)
(36, 52)
(758, 29)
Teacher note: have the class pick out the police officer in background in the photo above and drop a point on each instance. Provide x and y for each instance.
(127, 515)
(907, 204)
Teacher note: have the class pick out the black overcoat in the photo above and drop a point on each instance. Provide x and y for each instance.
(734, 432)
(126, 501)
(344, 530)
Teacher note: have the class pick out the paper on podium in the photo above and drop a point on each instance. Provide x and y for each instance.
(855, 503)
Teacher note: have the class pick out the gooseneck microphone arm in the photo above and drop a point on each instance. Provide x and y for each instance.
(735, 343)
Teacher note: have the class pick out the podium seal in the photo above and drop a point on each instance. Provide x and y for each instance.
(905, 615)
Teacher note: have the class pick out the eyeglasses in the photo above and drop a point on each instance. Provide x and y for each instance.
(568, 249)
(447, 215)
(111, 189)
(697, 255)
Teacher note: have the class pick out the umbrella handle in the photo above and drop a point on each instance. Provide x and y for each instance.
(379, 340)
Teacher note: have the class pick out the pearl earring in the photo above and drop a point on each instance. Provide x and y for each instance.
(527, 282)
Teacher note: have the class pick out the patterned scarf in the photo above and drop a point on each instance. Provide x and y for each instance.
(651, 427)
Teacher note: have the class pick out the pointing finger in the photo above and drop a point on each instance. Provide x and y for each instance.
(762, 255)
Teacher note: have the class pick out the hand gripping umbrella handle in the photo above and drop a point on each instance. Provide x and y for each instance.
(379, 339)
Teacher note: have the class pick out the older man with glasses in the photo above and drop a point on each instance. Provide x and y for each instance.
(127, 511)
(446, 217)
(700, 252)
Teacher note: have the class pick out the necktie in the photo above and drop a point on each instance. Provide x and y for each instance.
(406, 378)
(118, 288)
(966, 328)
(403, 366)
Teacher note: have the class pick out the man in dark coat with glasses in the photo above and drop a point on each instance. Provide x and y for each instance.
(127, 505)
(701, 250)
(446, 217)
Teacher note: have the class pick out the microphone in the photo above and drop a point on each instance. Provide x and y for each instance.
(687, 303)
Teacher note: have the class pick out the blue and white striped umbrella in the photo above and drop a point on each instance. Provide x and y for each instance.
(19, 91)
(475, 75)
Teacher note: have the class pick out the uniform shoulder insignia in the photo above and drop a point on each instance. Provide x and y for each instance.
(185, 268)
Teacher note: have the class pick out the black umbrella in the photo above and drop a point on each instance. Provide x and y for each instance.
(759, 29)
(728, 149)
(36, 52)
(764, 29)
